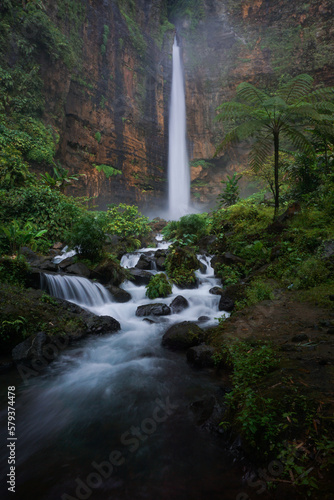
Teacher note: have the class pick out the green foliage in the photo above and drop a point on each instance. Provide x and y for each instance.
(13, 271)
(87, 236)
(269, 118)
(188, 229)
(49, 209)
(181, 264)
(125, 221)
(191, 10)
(60, 178)
(128, 11)
(98, 136)
(159, 286)
(229, 275)
(19, 236)
(230, 195)
(108, 170)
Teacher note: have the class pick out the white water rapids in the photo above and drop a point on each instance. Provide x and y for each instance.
(97, 394)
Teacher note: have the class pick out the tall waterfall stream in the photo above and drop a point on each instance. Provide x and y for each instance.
(118, 416)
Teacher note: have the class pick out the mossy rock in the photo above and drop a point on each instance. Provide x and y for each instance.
(183, 336)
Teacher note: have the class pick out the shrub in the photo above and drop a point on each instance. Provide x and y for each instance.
(87, 237)
(181, 264)
(159, 286)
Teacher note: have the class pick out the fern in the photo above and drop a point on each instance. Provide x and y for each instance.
(108, 170)
(288, 112)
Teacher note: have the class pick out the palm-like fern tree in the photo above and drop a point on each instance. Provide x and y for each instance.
(269, 118)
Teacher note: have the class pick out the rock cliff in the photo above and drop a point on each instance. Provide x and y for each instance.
(108, 103)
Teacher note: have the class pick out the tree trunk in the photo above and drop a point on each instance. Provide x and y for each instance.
(276, 147)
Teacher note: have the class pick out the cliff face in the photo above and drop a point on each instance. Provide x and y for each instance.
(107, 93)
(245, 40)
(111, 110)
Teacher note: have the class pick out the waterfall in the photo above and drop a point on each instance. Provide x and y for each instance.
(178, 166)
(76, 289)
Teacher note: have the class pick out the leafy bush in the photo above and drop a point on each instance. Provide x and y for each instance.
(188, 229)
(49, 209)
(181, 264)
(230, 195)
(311, 272)
(87, 236)
(19, 236)
(159, 286)
(125, 221)
(13, 271)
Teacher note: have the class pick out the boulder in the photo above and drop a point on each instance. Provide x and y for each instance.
(216, 290)
(161, 263)
(227, 258)
(183, 335)
(157, 309)
(66, 263)
(118, 294)
(145, 262)
(226, 303)
(188, 285)
(108, 272)
(140, 277)
(30, 349)
(201, 356)
(98, 325)
(48, 266)
(178, 304)
(79, 269)
(203, 319)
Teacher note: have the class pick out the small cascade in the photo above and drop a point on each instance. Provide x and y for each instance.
(76, 289)
(130, 260)
(65, 254)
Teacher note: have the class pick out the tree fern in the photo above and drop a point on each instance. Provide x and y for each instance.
(290, 112)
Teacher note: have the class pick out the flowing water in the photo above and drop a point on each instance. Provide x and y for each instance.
(178, 165)
(116, 417)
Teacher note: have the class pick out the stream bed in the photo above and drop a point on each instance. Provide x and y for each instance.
(118, 416)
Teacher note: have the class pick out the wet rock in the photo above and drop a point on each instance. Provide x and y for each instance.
(79, 269)
(227, 258)
(118, 294)
(216, 290)
(150, 321)
(183, 335)
(178, 304)
(48, 266)
(300, 337)
(66, 263)
(203, 319)
(157, 309)
(145, 262)
(108, 273)
(99, 325)
(30, 349)
(226, 303)
(188, 285)
(201, 356)
(140, 277)
(161, 263)
(203, 409)
(202, 267)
